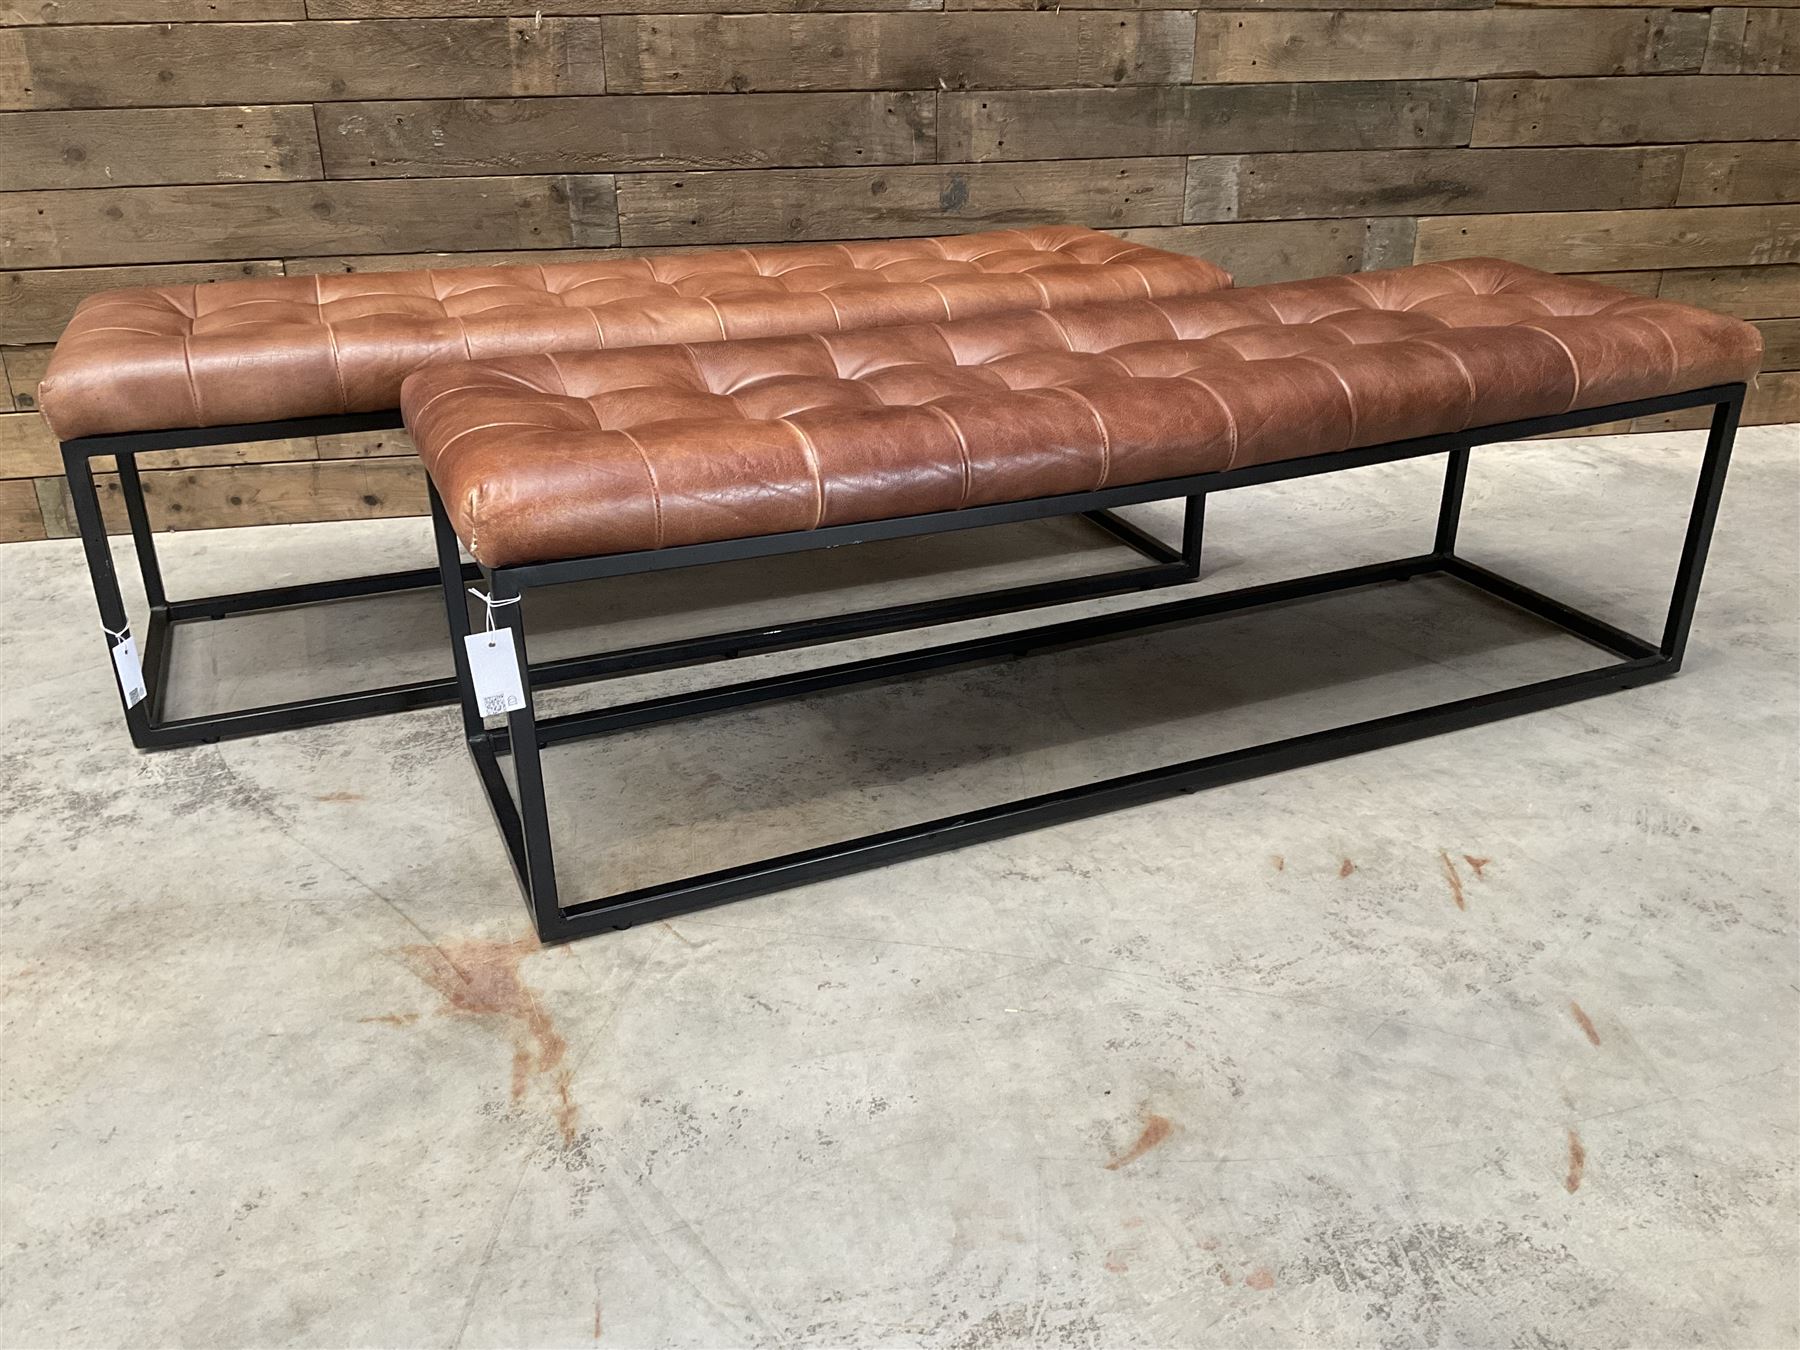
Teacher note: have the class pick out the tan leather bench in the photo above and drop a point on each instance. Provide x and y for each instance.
(284, 347)
(168, 367)
(581, 466)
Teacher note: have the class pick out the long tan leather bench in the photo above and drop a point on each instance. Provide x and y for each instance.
(175, 367)
(585, 467)
(575, 454)
(233, 352)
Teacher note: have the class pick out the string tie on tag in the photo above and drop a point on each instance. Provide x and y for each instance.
(123, 635)
(492, 604)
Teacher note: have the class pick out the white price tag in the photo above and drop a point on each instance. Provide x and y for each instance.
(495, 670)
(130, 669)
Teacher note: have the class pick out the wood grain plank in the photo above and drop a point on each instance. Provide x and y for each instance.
(1781, 343)
(809, 204)
(261, 494)
(594, 135)
(1744, 172)
(747, 52)
(1219, 4)
(1624, 4)
(21, 519)
(1590, 241)
(24, 367)
(23, 13)
(1638, 283)
(149, 146)
(1378, 45)
(251, 220)
(35, 304)
(1669, 109)
(1774, 399)
(1179, 120)
(1258, 253)
(27, 449)
(1747, 292)
(425, 9)
(1428, 182)
(170, 65)
(1753, 42)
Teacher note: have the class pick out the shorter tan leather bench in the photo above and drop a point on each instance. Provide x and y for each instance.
(576, 466)
(181, 367)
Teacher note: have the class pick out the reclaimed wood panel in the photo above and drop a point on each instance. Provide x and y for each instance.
(1435, 182)
(601, 134)
(1781, 343)
(21, 518)
(1671, 109)
(1588, 241)
(173, 65)
(789, 204)
(143, 225)
(1260, 252)
(1740, 173)
(1747, 292)
(258, 494)
(1379, 45)
(1188, 119)
(1773, 399)
(708, 53)
(27, 449)
(152, 146)
(18, 13)
(1221, 4)
(24, 367)
(34, 305)
(1753, 42)
(423, 9)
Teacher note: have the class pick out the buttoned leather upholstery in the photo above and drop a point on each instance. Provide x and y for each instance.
(556, 456)
(263, 350)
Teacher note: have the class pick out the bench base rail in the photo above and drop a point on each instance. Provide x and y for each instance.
(522, 815)
(152, 729)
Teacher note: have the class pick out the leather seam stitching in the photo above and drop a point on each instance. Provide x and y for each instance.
(1574, 365)
(1349, 393)
(811, 454)
(655, 488)
(962, 450)
(1230, 418)
(1100, 426)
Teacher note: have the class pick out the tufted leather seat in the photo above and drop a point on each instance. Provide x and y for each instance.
(262, 350)
(548, 457)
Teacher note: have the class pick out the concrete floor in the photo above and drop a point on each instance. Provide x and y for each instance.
(1485, 1040)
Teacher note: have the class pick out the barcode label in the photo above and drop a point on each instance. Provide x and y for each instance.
(495, 670)
(130, 670)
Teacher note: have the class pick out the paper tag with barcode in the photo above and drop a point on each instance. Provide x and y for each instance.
(130, 669)
(495, 670)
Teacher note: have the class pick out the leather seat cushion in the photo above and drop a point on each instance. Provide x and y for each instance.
(557, 456)
(263, 350)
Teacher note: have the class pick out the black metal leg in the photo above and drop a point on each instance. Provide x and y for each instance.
(1698, 540)
(528, 772)
(1193, 533)
(114, 620)
(1456, 476)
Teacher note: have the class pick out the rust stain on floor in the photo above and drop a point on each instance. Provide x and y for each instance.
(480, 978)
(1156, 1130)
(1279, 862)
(1346, 867)
(1260, 1278)
(1577, 1164)
(339, 797)
(393, 1019)
(1478, 864)
(1456, 886)
(1583, 1021)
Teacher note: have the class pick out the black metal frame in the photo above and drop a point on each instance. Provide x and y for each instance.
(150, 729)
(523, 817)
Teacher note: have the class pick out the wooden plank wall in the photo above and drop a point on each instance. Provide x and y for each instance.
(174, 140)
